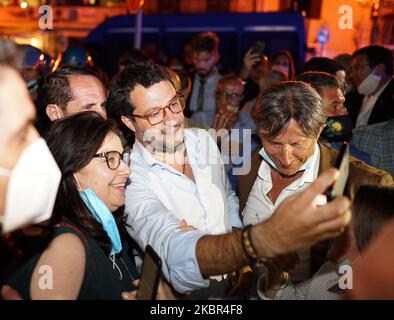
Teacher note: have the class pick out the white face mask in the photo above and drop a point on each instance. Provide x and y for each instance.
(32, 187)
(369, 84)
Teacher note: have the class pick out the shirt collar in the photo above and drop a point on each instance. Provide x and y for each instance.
(145, 155)
(212, 77)
(377, 94)
(151, 161)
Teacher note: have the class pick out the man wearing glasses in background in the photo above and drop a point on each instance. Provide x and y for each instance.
(234, 148)
(229, 94)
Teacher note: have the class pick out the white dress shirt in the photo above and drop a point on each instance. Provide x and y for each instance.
(259, 206)
(160, 196)
(367, 107)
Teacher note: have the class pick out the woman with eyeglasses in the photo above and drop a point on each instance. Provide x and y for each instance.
(87, 257)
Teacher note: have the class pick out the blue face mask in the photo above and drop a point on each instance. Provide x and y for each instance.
(267, 159)
(102, 214)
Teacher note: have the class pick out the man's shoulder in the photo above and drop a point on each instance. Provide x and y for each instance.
(358, 168)
(328, 156)
(370, 138)
(362, 174)
(372, 130)
(359, 172)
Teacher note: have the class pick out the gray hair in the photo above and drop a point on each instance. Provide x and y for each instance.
(280, 103)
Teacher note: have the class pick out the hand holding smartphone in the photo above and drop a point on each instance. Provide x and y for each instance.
(258, 47)
(342, 164)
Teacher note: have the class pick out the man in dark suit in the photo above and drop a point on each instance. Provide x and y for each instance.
(372, 101)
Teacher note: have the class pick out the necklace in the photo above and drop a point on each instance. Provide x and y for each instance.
(114, 265)
(132, 278)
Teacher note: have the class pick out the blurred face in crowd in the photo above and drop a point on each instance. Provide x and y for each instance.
(270, 78)
(360, 69)
(205, 62)
(282, 60)
(108, 184)
(289, 150)
(88, 94)
(341, 77)
(17, 114)
(229, 95)
(161, 130)
(333, 101)
(29, 74)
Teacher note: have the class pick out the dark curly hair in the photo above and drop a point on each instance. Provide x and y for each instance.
(123, 83)
(74, 141)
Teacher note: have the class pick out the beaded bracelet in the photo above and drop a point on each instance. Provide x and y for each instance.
(247, 245)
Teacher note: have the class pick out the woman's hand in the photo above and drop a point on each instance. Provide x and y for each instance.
(164, 292)
(9, 293)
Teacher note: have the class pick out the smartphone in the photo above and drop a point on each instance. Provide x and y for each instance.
(258, 47)
(342, 164)
(150, 275)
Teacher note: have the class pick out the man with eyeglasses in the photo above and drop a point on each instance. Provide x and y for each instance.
(372, 75)
(229, 124)
(178, 174)
(229, 94)
(174, 169)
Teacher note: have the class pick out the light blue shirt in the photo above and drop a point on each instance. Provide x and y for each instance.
(159, 197)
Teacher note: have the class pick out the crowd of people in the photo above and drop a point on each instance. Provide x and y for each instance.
(222, 174)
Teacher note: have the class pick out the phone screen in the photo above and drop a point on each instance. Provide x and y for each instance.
(258, 47)
(150, 275)
(342, 165)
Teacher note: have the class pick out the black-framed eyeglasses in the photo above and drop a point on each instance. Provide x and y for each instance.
(157, 116)
(113, 158)
(223, 94)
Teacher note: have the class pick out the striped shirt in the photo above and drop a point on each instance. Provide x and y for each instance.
(324, 285)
